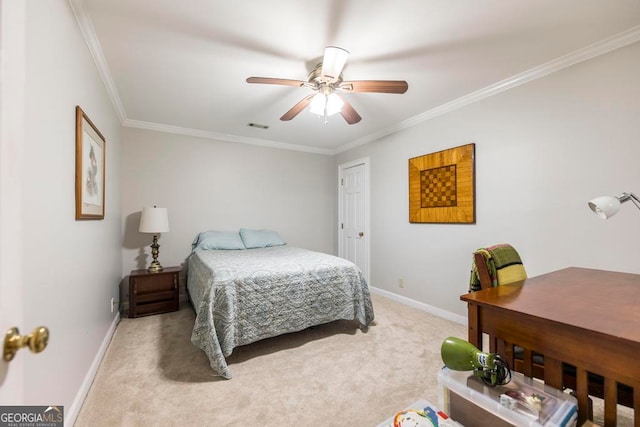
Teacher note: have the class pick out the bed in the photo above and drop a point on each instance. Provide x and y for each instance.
(244, 295)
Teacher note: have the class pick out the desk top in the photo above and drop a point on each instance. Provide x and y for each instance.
(596, 300)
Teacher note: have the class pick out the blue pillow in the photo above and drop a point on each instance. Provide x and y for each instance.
(260, 238)
(218, 240)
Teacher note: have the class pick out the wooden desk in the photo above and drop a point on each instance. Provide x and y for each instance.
(586, 318)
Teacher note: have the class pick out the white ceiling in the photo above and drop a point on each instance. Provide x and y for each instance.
(180, 66)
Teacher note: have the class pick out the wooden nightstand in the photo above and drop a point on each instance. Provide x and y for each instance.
(153, 293)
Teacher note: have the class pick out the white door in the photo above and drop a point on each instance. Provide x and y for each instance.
(353, 229)
(12, 122)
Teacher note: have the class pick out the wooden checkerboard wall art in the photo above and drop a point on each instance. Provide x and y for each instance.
(442, 186)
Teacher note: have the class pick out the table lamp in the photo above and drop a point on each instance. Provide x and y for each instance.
(154, 220)
(607, 206)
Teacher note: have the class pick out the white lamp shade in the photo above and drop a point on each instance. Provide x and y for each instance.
(316, 106)
(154, 220)
(333, 61)
(332, 103)
(605, 206)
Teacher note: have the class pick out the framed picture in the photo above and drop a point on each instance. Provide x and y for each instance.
(90, 168)
(442, 186)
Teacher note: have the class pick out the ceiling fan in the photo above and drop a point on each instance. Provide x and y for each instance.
(326, 82)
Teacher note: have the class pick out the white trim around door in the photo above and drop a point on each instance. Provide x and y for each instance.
(363, 232)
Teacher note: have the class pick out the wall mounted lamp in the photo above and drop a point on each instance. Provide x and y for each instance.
(154, 220)
(607, 206)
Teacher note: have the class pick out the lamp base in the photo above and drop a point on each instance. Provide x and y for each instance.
(155, 267)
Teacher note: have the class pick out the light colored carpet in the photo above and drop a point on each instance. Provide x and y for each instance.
(329, 375)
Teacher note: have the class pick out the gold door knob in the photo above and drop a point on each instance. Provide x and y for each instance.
(361, 234)
(13, 341)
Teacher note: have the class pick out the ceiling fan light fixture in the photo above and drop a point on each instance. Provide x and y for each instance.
(326, 105)
(326, 82)
(333, 62)
(316, 106)
(334, 104)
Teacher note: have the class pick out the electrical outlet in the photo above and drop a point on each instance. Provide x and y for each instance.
(401, 283)
(114, 304)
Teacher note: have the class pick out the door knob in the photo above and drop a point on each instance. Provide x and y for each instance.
(361, 234)
(36, 341)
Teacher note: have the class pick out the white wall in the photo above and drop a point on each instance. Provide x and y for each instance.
(565, 138)
(218, 185)
(542, 151)
(71, 268)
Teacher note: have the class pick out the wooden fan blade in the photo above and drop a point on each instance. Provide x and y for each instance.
(349, 113)
(295, 110)
(380, 86)
(274, 81)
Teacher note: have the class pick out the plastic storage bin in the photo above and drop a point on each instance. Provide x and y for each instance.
(522, 402)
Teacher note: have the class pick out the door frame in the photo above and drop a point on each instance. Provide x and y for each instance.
(367, 211)
(12, 137)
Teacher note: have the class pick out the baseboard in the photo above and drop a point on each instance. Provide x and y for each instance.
(71, 415)
(421, 306)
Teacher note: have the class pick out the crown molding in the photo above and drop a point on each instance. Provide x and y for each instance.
(89, 34)
(222, 136)
(632, 35)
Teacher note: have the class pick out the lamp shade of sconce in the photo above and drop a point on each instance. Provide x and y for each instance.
(607, 206)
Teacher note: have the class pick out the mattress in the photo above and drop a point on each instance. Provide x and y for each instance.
(242, 296)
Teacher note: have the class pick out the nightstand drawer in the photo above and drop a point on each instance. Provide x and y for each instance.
(155, 308)
(155, 297)
(157, 282)
(153, 293)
